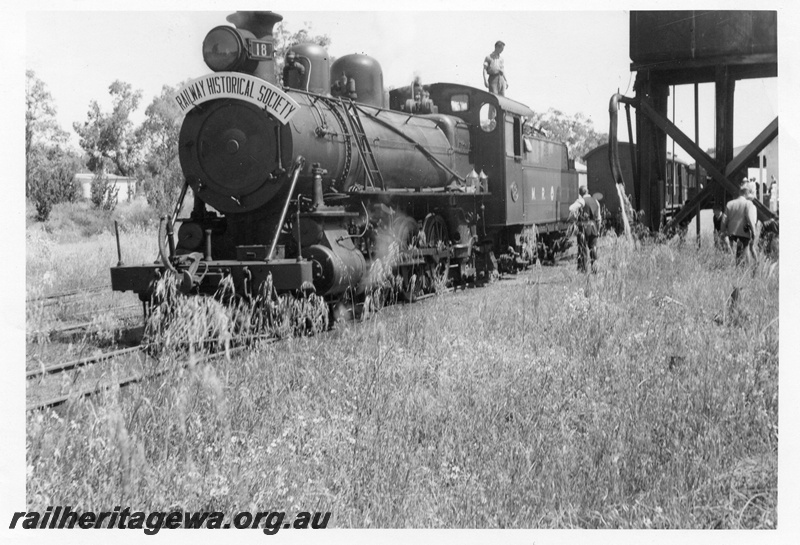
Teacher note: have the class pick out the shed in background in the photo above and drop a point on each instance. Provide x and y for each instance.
(125, 184)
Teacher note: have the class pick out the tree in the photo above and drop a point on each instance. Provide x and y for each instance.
(49, 169)
(41, 126)
(577, 132)
(284, 39)
(108, 138)
(157, 140)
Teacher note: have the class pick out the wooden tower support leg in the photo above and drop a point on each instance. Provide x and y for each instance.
(724, 85)
(651, 150)
(697, 141)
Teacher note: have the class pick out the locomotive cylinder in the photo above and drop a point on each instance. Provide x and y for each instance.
(337, 264)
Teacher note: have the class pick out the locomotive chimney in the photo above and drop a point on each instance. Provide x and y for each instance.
(260, 23)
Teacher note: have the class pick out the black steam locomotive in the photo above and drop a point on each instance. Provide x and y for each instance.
(325, 178)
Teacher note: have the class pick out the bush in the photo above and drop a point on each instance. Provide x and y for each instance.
(103, 192)
(51, 180)
(71, 222)
(162, 186)
(76, 220)
(136, 214)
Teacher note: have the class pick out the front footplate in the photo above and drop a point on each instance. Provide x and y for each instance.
(248, 277)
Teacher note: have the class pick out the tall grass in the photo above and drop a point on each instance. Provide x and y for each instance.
(199, 324)
(639, 397)
(55, 266)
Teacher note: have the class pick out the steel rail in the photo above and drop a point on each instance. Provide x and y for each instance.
(109, 309)
(61, 367)
(64, 295)
(130, 379)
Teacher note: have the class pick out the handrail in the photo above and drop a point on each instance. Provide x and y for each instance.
(162, 252)
(299, 162)
(362, 143)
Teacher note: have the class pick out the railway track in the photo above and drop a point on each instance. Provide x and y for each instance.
(63, 316)
(127, 379)
(74, 364)
(237, 345)
(55, 298)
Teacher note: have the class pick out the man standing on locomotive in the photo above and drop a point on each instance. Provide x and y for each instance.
(586, 211)
(494, 77)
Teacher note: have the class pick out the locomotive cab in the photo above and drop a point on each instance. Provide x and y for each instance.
(529, 176)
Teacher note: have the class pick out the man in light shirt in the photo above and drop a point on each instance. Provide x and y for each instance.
(494, 71)
(739, 223)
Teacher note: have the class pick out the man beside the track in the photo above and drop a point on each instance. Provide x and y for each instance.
(586, 211)
(739, 223)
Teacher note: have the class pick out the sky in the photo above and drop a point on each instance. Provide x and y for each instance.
(542, 72)
(571, 60)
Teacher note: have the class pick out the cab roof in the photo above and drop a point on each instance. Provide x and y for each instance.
(504, 103)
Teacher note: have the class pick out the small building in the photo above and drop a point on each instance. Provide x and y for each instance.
(125, 185)
(761, 168)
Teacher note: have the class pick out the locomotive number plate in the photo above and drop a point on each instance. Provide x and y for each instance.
(260, 50)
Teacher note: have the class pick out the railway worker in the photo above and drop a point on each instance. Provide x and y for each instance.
(586, 213)
(773, 195)
(293, 72)
(494, 77)
(718, 218)
(768, 239)
(739, 224)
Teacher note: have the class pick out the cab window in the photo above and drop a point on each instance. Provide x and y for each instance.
(488, 117)
(513, 136)
(459, 103)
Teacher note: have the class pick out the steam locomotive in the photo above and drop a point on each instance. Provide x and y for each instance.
(324, 178)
